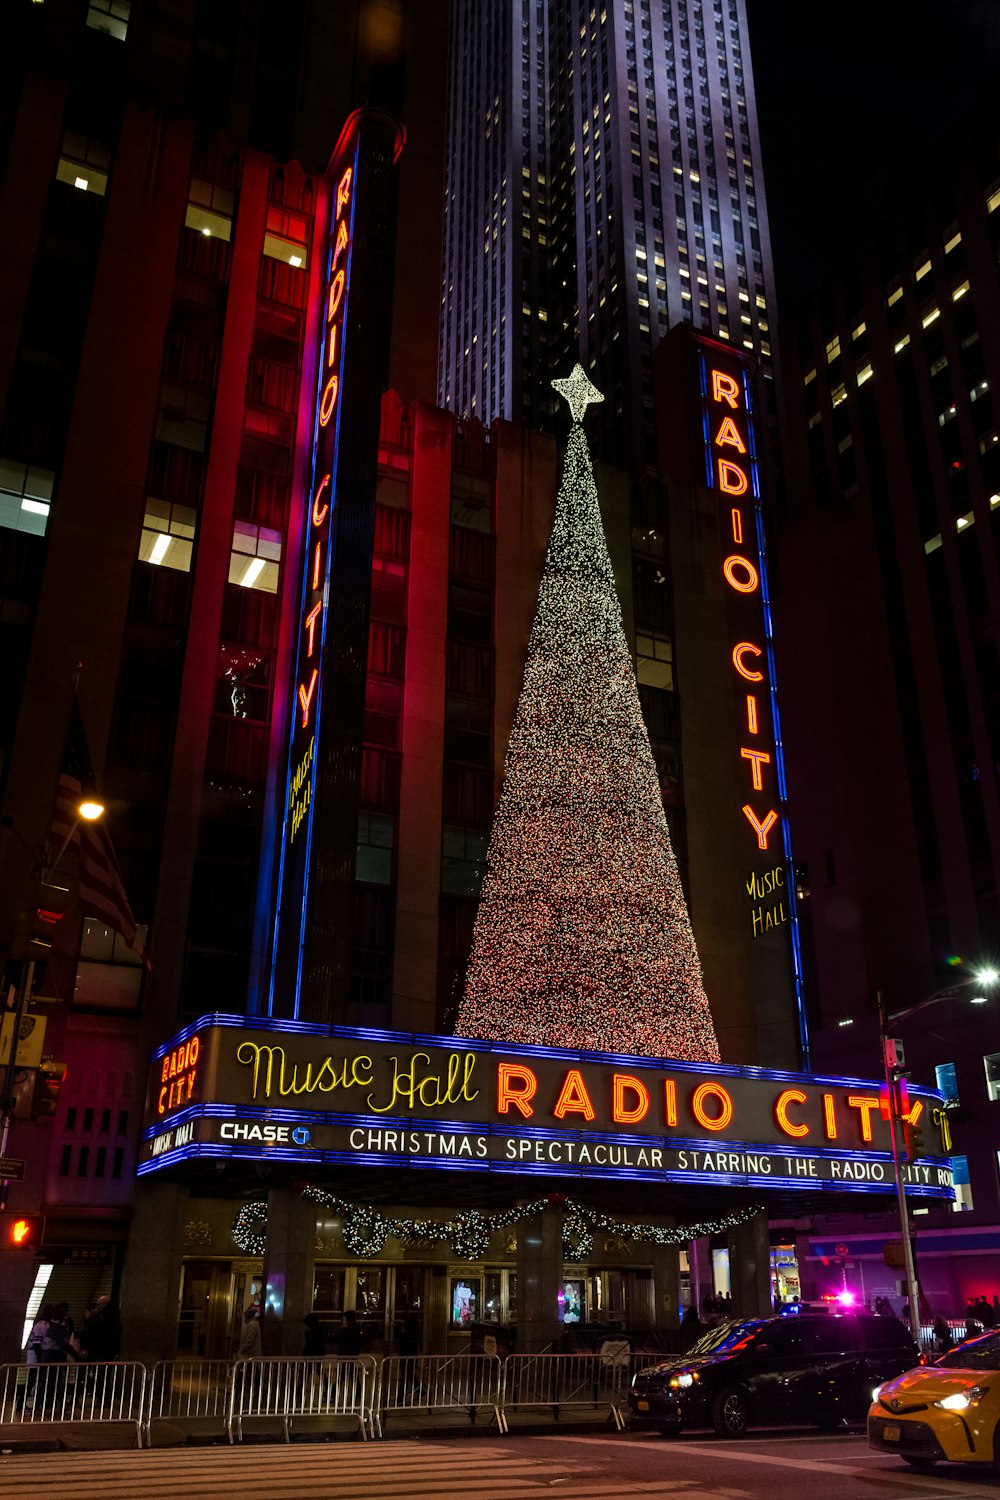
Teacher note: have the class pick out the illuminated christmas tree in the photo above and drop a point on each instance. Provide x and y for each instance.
(582, 937)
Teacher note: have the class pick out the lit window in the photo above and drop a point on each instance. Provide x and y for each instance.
(833, 348)
(110, 16)
(921, 271)
(932, 545)
(286, 237)
(167, 535)
(994, 501)
(963, 1187)
(963, 522)
(838, 394)
(255, 557)
(84, 164)
(655, 660)
(814, 420)
(956, 239)
(864, 372)
(991, 1062)
(960, 291)
(25, 497)
(894, 296)
(808, 377)
(210, 210)
(901, 345)
(993, 200)
(857, 332)
(930, 317)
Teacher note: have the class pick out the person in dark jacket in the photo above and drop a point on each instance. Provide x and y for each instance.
(349, 1336)
(101, 1335)
(314, 1344)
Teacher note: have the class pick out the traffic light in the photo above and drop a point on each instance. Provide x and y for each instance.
(45, 1094)
(22, 1231)
(39, 920)
(914, 1141)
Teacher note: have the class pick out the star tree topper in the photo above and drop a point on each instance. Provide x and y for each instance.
(578, 391)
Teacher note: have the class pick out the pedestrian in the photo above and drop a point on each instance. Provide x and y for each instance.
(943, 1340)
(349, 1336)
(692, 1328)
(996, 1311)
(53, 1357)
(101, 1334)
(33, 1353)
(314, 1343)
(249, 1345)
(984, 1312)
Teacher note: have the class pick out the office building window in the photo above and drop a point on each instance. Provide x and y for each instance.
(992, 1064)
(25, 497)
(286, 237)
(963, 1188)
(374, 855)
(109, 973)
(654, 660)
(167, 535)
(463, 860)
(84, 163)
(255, 557)
(110, 16)
(210, 210)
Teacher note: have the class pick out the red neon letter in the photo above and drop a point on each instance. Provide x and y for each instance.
(306, 696)
(623, 1113)
(829, 1117)
(329, 400)
(670, 1101)
(725, 388)
(760, 829)
(728, 437)
(336, 292)
(310, 623)
(790, 1096)
(732, 480)
(331, 353)
(749, 581)
(344, 190)
(339, 244)
(319, 516)
(573, 1097)
(865, 1104)
(712, 1090)
(751, 713)
(757, 758)
(745, 648)
(509, 1075)
(317, 561)
(737, 527)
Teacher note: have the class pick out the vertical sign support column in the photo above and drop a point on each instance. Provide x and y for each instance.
(315, 898)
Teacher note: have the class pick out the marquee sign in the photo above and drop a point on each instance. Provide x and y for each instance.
(302, 1093)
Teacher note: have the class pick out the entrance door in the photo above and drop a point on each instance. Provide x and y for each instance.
(206, 1300)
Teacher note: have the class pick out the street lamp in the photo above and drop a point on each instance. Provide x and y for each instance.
(893, 1071)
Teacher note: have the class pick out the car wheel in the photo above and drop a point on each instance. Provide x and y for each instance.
(730, 1413)
(918, 1463)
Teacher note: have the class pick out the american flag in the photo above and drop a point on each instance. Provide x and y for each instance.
(101, 893)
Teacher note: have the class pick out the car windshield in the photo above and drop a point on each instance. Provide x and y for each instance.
(977, 1354)
(725, 1336)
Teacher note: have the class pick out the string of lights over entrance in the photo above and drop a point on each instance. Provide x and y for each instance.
(469, 1232)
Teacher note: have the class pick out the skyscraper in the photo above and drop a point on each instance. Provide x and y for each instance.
(603, 184)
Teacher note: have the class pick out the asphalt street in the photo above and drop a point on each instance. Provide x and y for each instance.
(593, 1466)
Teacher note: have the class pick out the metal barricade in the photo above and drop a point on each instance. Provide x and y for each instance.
(439, 1382)
(286, 1388)
(59, 1394)
(562, 1381)
(191, 1393)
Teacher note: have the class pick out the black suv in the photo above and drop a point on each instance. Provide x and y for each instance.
(816, 1367)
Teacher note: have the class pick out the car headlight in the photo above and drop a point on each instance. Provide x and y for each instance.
(962, 1400)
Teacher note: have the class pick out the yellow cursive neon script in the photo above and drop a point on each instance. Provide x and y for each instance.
(413, 1086)
(324, 1075)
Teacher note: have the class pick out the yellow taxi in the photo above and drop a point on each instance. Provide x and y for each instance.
(949, 1410)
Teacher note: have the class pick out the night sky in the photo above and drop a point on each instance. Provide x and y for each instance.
(846, 90)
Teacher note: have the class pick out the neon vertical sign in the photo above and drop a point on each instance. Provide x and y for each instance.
(731, 470)
(318, 543)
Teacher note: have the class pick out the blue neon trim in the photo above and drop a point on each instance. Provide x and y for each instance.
(322, 377)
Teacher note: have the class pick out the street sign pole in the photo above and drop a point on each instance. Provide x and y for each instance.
(10, 1069)
(895, 1127)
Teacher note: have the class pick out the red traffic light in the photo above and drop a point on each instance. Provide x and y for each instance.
(23, 1231)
